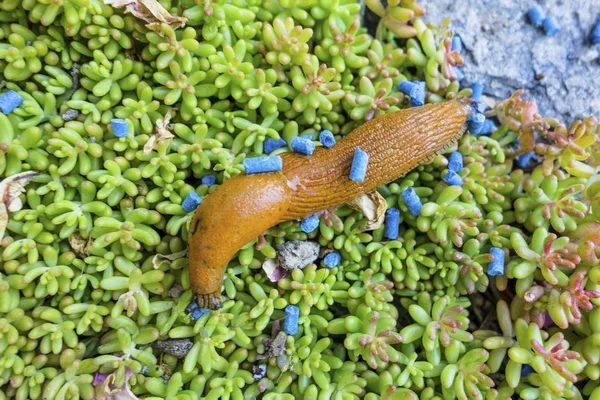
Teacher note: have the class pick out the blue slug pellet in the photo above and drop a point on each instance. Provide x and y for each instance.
(290, 321)
(535, 15)
(459, 74)
(496, 267)
(412, 201)
(309, 224)
(456, 44)
(327, 139)
(475, 123)
(208, 180)
(392, 223)
(332, 259)
(9, 101)
(271, 144)
(119, 127)
(526, 370)
(261, 164)
(415, 90)
(595, 35)
(303, 145)
(551, 26)
(198, 312)
(191, 201)
(524, 159)
(488, 127)
(477, 91)
(358, 171)
(453, 179)
(455, 161)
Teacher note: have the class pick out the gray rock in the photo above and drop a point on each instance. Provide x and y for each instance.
(297, 254)
(505, 52)
(175, 347)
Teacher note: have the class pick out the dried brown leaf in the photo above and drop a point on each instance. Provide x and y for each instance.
(10, 190)
(79, 244)
(161, 132)
(150, 11)
(373, 206)
(159, 258)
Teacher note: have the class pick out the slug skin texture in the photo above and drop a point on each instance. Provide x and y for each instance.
(247, 205)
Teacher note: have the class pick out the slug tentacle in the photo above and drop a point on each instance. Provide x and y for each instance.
(247, 205)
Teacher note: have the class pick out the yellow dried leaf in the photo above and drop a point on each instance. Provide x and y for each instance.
(10, 190)
(373, 206)
(150, 11)
(161, 132)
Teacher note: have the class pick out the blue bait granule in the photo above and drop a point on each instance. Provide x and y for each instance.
(475, 123)
(309, 224)
(551, 26)
(290, 321)
(456, 44)
(119, 127)
(496, 267)
(453, 179)
(526, 370)
(303, 145)
(524, 159)
(191, 201)
(260, 164)
(392, 223)
(488, 127)
(271, 144)
(198, 312)
(359, 165)
(208, 180)
(595, 36)
(327, 139)
(412, 201)
(332, 259)
(455, 161)
(415, 90)
(477, 91)
(536, 15)
(459, 74)
(9, 101)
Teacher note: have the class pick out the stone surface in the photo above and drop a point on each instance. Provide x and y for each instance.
(504, 51)
(297, 254)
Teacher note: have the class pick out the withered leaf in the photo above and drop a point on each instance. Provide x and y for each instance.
(10, 190)
(161, 132)
(150, 11)
(79, 244)
(373, 206)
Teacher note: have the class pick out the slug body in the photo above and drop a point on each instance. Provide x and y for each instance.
(247, 205)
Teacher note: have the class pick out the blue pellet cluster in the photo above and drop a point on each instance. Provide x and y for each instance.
(119, 127)
(261, 164)
(551, 26)
(595, 35)
(208, 180)
(309, 224)
(332, 259)
(191, 201)
(475, 123)
(327, 139)
(524, 159)
(358, 171)
(477, 91)
(453, 179)
(414, 90)
(9, 101)
(392, 223)
(412, 201)
(455, 161)
(496, 267)
(290, 321)
(303, 145)
(271, 144)
(536, 15)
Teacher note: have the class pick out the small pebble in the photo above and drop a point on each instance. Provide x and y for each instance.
(524, 159)
(9, 101)
(261, 164)
(303, 145)
(595, 36)
(496, 267)
(477, 91)
(456, 44)
(290, 321)
(175, 347)
(271, 144)
(327, 139)
(259, 372)
(392, 223)
(208, 180)
(551, 26)
(359, 165)
(309, 224)
(191, 202)
(455, 161)
(475, 123)
(415, 90)
(297, 254)
(119, 127)
(332, 259)
(453, 179)
(412, 201)
(535, 15)
(70, 114)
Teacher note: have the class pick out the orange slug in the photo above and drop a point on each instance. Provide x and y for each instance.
(247, 205)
